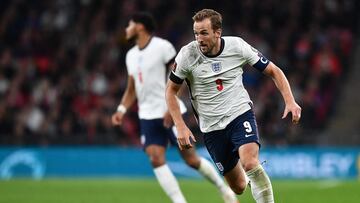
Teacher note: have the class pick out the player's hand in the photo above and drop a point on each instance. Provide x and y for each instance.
(295, 110)
(117, 118)
(167, 121)
(185, 138)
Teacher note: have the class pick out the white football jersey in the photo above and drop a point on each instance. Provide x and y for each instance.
(215, 82)
(148, 68)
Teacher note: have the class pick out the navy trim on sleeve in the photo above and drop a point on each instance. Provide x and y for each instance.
(261, 64)
(175, 78)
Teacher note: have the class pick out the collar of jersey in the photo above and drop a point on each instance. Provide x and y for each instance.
(146, 43)
(222, 45)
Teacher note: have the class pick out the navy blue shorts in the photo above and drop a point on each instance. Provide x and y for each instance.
(154, 132)
(223, 144)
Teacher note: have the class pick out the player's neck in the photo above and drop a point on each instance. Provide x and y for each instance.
(143, 40)
(217, 47)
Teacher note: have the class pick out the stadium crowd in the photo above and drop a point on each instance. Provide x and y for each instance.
(62, 69)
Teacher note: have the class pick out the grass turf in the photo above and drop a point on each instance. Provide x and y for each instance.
(148, 191)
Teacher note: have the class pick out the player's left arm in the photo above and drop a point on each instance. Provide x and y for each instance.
(283, 85)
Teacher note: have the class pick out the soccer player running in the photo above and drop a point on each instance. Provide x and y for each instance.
(212, 67)
(147, 64)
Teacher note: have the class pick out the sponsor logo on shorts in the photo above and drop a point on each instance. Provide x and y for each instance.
(219, 166)
(249, 135)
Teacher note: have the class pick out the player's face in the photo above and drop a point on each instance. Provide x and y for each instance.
(206, 37)
(130, 30)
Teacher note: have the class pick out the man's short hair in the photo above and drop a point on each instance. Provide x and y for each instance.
(146, 19)
(215, 18)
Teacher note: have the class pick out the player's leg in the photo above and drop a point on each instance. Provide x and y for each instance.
(223, 157)
(165, 177)
(226, 158)
(202, 165)
(155, 146)
(237, 179)
(156, 155)
(207, 170)
(245, 136)
(260, 183)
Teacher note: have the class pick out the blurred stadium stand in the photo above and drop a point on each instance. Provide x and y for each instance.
(344, 126)
(62, 70)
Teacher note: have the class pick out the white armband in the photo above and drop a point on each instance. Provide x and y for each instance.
(121, 108)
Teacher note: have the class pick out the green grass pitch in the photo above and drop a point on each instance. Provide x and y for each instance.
(148, 191)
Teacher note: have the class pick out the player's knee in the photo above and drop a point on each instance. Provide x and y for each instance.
(250, 164)
(239, 187)
(157, 160)
(192, 161)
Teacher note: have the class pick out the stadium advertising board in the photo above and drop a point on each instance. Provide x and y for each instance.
(289, 163)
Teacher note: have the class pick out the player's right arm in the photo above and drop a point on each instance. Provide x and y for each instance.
(261, 63)
(184, 134)
(126, 102)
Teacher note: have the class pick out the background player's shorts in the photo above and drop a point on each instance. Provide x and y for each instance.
(223, 144)
(154, 132)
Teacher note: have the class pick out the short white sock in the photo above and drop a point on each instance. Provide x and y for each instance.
(169, 183)
(261, 188)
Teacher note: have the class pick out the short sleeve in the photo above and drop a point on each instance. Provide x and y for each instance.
(253, 56)
(128, 64)
(180, 67)
(169, 52)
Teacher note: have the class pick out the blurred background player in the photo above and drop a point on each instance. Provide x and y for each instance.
(212, 66)
(147, 64)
